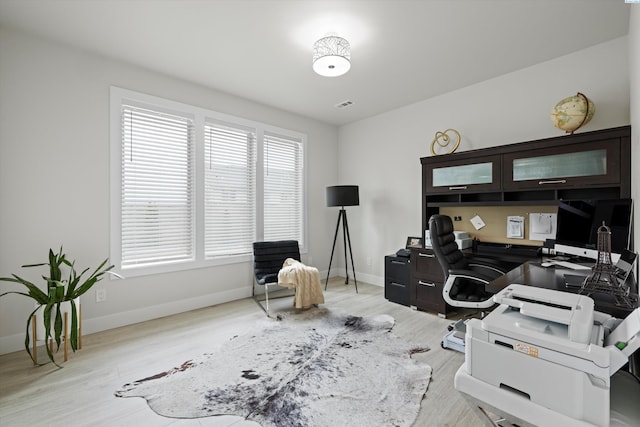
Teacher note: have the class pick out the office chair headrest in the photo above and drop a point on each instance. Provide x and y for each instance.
(442, 224)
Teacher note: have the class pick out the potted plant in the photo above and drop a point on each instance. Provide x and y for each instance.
(59, 291)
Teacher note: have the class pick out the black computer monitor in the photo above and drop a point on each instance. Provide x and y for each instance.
(579, 220)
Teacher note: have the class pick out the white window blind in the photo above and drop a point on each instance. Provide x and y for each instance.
(193, 188)
(283, 188)
(230, 189)
(157, 187)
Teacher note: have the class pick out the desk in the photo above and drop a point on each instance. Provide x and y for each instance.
(533, 274)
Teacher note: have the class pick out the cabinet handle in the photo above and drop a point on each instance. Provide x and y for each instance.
(397, 284)
(553, 181)
(397, 262)
(459, 187)
(431, 285)
(426, 255)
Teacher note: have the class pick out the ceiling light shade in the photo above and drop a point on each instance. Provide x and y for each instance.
(331, 56)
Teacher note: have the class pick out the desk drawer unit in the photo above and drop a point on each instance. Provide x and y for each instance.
(397, 274)
(427, 281)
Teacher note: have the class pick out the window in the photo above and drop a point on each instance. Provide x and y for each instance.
(230, 190)
(157, 187)
(282, 188)
(192, 188)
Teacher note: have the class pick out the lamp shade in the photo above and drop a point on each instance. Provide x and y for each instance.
(331, 56)
(343, 195)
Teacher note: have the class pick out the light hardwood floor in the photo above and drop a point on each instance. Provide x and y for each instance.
(81, 394)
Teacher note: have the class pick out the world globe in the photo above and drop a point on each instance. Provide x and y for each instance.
(573, 112)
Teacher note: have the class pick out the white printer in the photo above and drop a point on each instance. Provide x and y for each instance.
(545, 357)
(463, 239)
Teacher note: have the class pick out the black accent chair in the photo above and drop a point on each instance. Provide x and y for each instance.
(466, 276)
(268, 258)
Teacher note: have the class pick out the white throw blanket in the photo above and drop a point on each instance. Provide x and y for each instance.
(306, 281)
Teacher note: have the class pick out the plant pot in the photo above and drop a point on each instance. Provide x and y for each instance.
(39, 332)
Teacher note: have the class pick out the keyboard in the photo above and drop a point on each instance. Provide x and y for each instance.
(571, 265)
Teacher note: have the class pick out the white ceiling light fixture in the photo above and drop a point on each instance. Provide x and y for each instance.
(331, 56)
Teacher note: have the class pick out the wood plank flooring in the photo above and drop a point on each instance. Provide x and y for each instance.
(81, 394)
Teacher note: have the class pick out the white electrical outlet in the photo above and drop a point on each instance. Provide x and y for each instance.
(101, 295)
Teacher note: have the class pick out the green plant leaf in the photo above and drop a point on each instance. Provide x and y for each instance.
(34, 265)
(57, 326)
(15, 292)
(46, 316)
(73, 340)
(95, 277)
(55, 260)
(27, 340)
(34, 291)
(73, 283)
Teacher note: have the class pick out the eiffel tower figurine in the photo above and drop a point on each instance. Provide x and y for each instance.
(603, 277)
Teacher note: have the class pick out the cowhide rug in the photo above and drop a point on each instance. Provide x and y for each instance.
(313, 369)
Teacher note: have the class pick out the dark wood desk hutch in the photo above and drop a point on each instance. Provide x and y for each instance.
(590, 165)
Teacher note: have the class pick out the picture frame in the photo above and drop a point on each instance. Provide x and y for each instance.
(414, 242)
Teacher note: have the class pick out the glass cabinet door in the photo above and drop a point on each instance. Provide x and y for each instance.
(463, 175)
(585, 163)
(594, 163)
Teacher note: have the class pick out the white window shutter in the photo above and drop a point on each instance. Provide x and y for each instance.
(157, 187)
(230, 189)
(283, 188)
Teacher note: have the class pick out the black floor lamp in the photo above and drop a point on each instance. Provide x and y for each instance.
(343, 195)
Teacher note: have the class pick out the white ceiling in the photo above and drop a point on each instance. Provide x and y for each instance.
(402, 51)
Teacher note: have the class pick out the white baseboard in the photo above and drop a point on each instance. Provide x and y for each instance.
(11, 343)
(371, 279)
(143, 314)
(368, 278)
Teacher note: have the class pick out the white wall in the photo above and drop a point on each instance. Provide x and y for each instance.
(54, 180)
(634, 74)
(54, 172)
(382, 154)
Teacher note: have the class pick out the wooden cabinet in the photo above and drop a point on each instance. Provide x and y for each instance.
(590, 165)
(427, 281)
(397, 275)
(594, 163)
(464, 175)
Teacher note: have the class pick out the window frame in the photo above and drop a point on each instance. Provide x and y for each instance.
(120, 96)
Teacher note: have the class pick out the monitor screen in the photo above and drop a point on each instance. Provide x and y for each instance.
(579, 220)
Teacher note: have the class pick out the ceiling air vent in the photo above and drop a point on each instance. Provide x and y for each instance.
(343, 104)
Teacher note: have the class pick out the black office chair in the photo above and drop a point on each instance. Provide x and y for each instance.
(268, 258)
(466, 276)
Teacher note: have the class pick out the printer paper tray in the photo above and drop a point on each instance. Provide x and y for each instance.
(625, 411)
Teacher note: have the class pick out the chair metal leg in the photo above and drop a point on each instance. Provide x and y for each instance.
(265, 306)
(258, 300)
